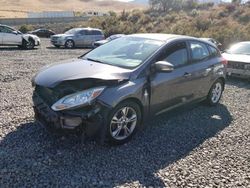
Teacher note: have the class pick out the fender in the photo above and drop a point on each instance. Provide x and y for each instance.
(26, 37)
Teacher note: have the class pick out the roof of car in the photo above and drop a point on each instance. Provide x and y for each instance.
(87, 28)
(161, 37)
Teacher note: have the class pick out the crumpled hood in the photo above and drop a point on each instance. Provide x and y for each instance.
(76, 69)
(26, 36)
(237, 57)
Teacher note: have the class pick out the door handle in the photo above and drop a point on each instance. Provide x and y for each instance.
(186, 74)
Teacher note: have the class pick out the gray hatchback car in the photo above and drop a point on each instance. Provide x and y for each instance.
(77, 37)
(110, 91)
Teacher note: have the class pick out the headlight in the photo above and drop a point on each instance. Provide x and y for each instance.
(78, 99)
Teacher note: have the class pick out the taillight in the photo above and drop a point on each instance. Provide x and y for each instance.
(224, 61)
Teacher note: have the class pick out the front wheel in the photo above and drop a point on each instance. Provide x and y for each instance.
(215, 93)
(123, 122)
(30, 44)
(69, 44)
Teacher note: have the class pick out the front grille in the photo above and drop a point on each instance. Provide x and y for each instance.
(44, 114)
(236, 65)
(47, 94)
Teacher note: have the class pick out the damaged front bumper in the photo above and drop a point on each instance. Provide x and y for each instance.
(89, 121)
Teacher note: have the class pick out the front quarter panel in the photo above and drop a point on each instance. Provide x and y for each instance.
(128, 90)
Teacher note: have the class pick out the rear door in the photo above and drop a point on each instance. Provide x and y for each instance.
(98, 35)
(201, 67)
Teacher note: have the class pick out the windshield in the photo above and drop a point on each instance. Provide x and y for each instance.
(126, 52)
(71, 31)
(240, 48)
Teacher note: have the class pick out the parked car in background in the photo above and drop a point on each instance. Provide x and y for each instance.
(47, 33)
(238, 57)
(114, 88)
(77, 37)
(12, 37)
(112, 37)
(217, 43)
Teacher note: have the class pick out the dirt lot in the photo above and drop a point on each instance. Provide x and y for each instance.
(201, 146)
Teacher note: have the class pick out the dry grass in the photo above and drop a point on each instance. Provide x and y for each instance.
(19, 8)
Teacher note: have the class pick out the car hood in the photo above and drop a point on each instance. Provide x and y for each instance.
(237, 57)
(75, 69)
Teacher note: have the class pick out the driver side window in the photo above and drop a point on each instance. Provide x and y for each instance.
(6, 30)
(176, 54)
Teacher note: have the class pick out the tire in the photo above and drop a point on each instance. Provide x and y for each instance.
(215, 93)
(69, 44)
(28, 45)
(123, 122)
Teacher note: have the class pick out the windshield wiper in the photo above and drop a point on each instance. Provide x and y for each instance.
(95, 60)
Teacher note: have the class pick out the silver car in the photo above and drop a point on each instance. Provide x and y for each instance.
(12, 37)
(77, 37)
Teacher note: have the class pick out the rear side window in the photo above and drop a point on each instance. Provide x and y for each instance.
(96, 32)
(88, 32)
(199, 51)
(213, 51)
(176, 54)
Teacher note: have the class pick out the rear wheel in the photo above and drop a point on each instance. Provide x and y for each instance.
(215, 93)
(69, 44)
(123, 122)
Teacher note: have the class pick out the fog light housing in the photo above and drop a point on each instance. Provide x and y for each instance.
(71, 122)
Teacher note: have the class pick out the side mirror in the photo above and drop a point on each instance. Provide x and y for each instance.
(163, 66)
(15, 32)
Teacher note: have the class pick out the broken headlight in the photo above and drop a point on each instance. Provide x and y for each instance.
(82, 98)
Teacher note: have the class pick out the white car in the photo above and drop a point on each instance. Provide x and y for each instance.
(12, 37)
(238, 57)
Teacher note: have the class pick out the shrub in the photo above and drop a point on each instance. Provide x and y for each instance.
(26, 28)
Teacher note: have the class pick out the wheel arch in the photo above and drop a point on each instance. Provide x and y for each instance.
(135, 100)
(223, 81)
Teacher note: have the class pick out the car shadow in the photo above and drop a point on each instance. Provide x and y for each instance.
(56, 160)
(239, 82)
(13, 48)
(62, 48)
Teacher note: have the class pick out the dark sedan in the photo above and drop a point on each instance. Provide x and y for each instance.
(113, 89)
(43, 33)
(238, 57)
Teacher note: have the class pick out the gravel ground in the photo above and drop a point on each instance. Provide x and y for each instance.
(197, 147)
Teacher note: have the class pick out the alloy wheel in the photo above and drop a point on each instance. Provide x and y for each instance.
(123, 123)
(216, 92)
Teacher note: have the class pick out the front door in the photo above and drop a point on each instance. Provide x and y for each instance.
(10, 38)
(174, 88)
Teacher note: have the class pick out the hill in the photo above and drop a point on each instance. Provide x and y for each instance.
(19, 8)
(228, 23)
